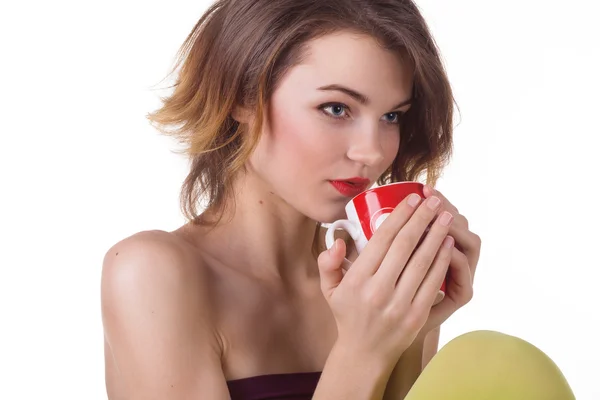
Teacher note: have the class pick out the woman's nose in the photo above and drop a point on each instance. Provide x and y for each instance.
(366, 147)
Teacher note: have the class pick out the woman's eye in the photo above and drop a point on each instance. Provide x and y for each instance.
(393, 117)
(335, 110)
(340, 111)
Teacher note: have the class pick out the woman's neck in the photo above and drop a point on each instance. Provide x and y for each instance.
(262, 234)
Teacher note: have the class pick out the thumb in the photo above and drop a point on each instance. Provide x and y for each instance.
(330, 267)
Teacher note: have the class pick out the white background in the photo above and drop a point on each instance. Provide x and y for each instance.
(81, 169)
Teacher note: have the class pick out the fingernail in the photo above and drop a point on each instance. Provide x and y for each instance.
(414, 199)
(446, 218)
(449, 241)
(433, 202)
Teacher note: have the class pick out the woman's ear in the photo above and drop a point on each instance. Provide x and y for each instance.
(243, 115)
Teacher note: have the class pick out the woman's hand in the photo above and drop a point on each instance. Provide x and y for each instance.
(465, 256)
(384, 300)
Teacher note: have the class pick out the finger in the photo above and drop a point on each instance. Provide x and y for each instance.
(464, 237)
(468, 243)
(427, 292)
(428, 191)
(459, 286)
(330, 267)
(460, 220)
(459, 289)
(410, 240)
(423, 258)
(378, 246)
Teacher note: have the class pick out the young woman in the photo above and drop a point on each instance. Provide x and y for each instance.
(287, 108)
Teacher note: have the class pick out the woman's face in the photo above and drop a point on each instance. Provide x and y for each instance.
(333, 117)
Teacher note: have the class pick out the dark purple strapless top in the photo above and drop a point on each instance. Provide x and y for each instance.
(298, 386)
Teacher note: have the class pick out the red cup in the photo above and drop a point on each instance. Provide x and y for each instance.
(367, 211)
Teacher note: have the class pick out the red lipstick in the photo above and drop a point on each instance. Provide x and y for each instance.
(351, 187)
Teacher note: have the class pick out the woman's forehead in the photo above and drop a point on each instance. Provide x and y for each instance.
(352, 60)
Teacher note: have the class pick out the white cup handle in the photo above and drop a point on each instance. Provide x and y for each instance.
(348, 226)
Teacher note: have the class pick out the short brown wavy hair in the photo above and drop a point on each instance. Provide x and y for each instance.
(238, 52)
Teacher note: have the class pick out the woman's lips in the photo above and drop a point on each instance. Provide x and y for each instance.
(350, 188)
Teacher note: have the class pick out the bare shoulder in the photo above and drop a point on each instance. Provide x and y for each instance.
(156, 311)
(148, 253)
(154, 263)
(141, 243)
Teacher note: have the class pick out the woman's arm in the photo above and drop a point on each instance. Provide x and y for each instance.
(156, 322)
(349, 375)
(406, 372)
(411, 364)
(432, 342)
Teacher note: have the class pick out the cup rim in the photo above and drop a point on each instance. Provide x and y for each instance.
(387, 184)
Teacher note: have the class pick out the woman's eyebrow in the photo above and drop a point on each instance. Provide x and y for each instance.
(361, 98)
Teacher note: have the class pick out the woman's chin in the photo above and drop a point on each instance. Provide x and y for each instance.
(327, 216)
